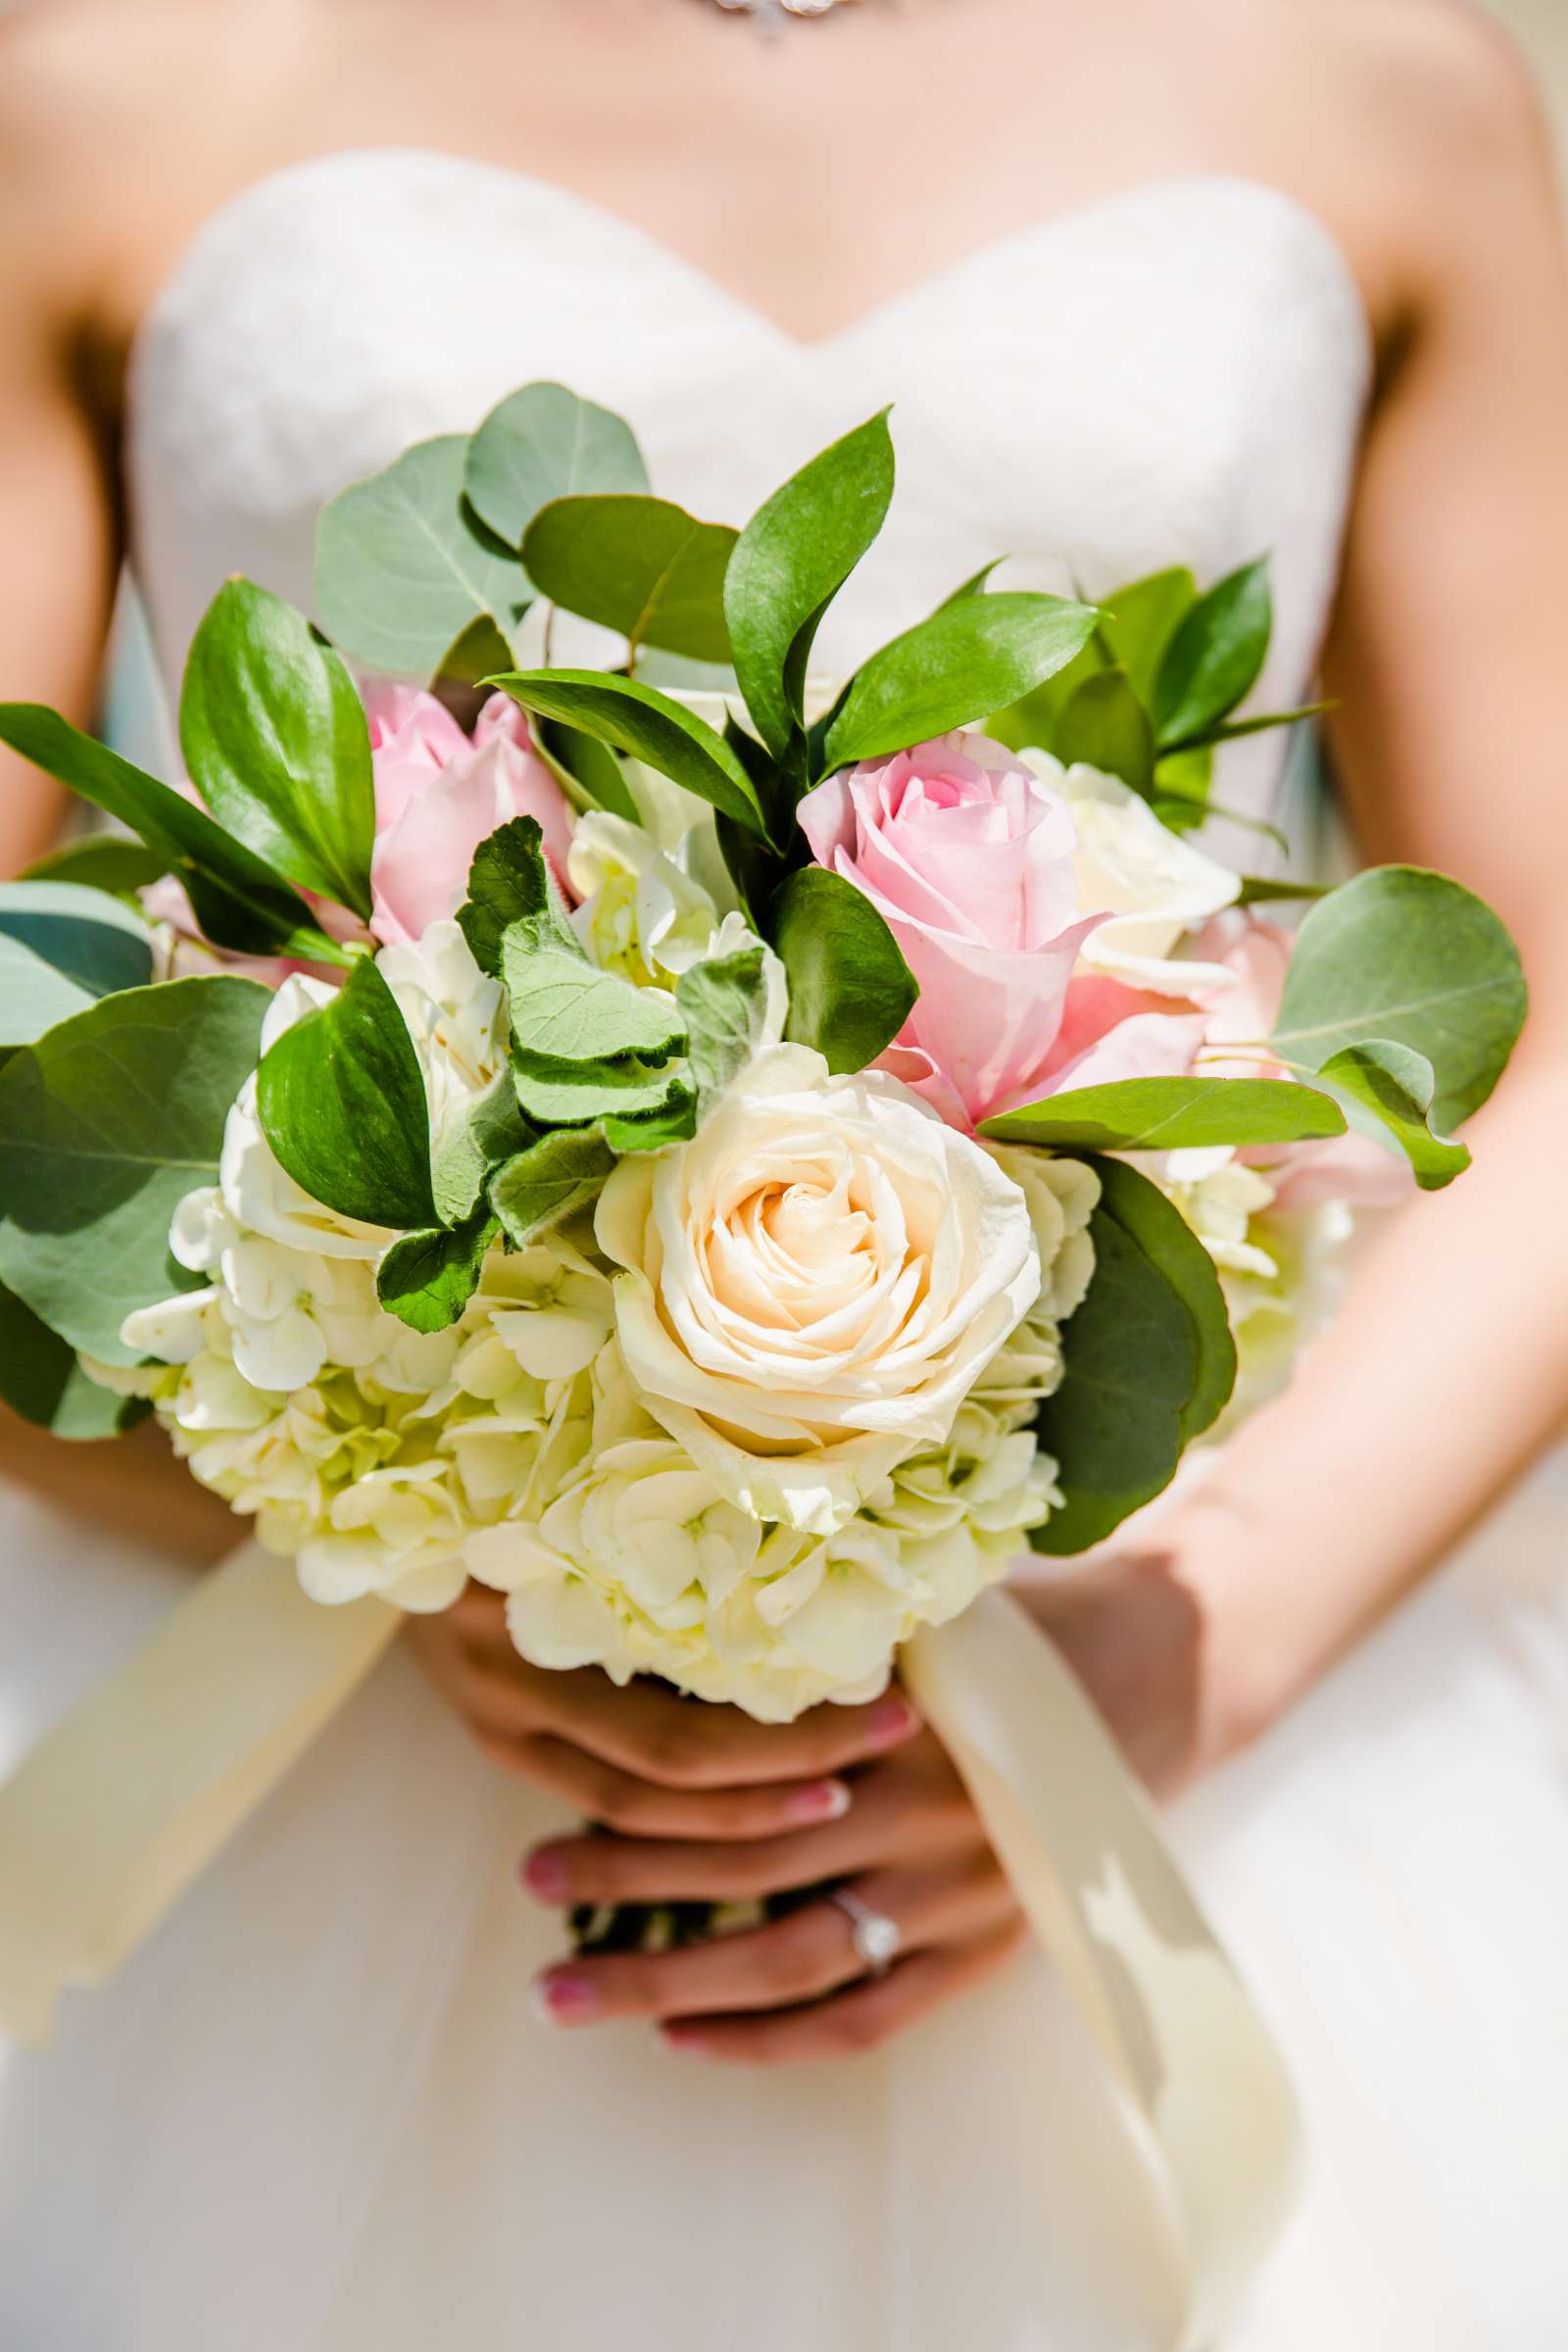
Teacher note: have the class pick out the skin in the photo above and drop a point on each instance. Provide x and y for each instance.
(1412, 133)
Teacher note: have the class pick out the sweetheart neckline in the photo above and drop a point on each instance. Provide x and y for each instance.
(226, 218)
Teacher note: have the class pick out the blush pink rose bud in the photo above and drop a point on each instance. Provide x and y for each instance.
(438, 794)
(969, 858)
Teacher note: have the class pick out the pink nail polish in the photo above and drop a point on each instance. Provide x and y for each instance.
(563, 2000)
(894, 1720)
(686, 2040)
(543, 1874)
(822, 1800)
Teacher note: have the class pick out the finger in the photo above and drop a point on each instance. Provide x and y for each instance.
(793, 1959)
(910, 1804)
(860, 2019)
(619, 1800)
(661, 1737)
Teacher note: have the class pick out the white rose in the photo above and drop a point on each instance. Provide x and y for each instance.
(1155, 885)
(809, 1288)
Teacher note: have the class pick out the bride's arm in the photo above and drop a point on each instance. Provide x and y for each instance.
(1448, 658)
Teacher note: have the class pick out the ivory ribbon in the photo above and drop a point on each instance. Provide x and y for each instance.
(118, 1809)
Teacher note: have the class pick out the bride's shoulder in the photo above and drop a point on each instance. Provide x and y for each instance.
(107, 125)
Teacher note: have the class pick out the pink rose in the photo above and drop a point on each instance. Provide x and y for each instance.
(1350, 1168)
(438, 795)
(970, 857)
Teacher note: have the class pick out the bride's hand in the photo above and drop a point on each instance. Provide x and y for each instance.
(641, 1760)
(910, 1846)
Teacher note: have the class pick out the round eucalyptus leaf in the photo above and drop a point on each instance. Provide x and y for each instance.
(543, 442)
(62, 947)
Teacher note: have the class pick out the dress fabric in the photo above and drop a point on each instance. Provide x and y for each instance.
(314, 2112)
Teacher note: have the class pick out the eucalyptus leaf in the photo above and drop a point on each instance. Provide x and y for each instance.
(276, 742)
(1414, 958)
(641, 565)
(427, 1278)
(404, 566)
(1397, 1084)
(1106, 727)
(62, 948)
(540, 443)
(789, 563)
(41, 1379)
(969, 659)
(1171, 1114)
(105, 1125)
(240, 901)
(648, 725)
(1216, 656)
(850, 991)
(341, 1100)
(103, 861)
(574, 1094)
(723, 1002)
(550, 1181)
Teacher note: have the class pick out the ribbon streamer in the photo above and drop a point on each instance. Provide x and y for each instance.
(118, 1808)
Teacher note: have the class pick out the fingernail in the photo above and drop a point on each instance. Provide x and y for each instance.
(894, 1720)
(563, 2000)
(543, 1874)
(686, 2040)
(822, 1800)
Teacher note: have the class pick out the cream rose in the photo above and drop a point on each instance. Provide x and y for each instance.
(809, 1289)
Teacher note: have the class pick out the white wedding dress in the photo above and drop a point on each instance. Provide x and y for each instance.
(315, 2114)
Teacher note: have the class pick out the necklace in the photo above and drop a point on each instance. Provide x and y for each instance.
(772, 8)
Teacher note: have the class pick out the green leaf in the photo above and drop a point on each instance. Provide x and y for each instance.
(41, 1379)
(1261, 890)
(587, 770)
(648, 725)
(641, 565)
(574, 1094)
(969, 659)
(427, 1278)
(1216, 656)
(61, 948)
(240, 901)
(1106, 727)
(404, 566)
(1233, 730)
(105, 1125)
(789, 563)
(563, 1007)
(1172, 1115)
(850, 991)
(1396, 1085)
(342, 1102)
(1412, 958)
(490, 1131)
(675, 1122)
(100, 861)
(550, 1181)
(1139, 622)
(275, 741)
(724, 1004)
(1149, 1363)
(974, 585)
(509, 883)
(541, 443)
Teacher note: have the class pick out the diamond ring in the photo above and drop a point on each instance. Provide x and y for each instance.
(877, 1938)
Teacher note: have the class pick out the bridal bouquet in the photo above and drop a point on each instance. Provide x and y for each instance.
(725, 1162)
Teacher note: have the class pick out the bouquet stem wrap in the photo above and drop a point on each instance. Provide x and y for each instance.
(119, 1807)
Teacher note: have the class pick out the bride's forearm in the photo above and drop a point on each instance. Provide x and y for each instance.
(1444, 1374)
(134, 1488)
